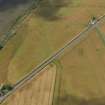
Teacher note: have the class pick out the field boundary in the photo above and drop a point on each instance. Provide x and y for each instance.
(39, 68)
(100, 34)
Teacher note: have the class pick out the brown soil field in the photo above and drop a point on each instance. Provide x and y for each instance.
(38, 92)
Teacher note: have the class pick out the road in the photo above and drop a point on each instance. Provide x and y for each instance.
(37, 70)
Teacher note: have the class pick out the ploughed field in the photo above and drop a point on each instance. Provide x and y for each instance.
(80, 77)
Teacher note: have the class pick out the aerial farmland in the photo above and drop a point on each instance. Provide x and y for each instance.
(76, 77)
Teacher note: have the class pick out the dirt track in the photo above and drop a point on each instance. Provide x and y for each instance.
(38, 92)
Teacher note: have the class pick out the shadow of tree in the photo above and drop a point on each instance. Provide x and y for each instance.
(48, 9)
(74, 100)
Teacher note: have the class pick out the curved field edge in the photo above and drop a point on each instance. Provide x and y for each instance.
(71, 22)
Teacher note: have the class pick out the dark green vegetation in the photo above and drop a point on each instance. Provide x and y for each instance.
(1, 47)
(5, 89)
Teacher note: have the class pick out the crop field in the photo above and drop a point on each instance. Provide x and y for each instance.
(38, 36)
(82, 76)
(80, 79)
(38, 92)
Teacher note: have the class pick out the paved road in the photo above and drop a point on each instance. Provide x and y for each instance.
(82, 35)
